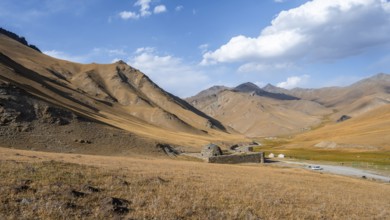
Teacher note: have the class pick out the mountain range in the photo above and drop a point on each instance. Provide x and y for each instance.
(56, 105)
(273, 111)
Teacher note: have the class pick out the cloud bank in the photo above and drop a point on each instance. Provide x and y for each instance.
(168, 71)
(319, 30)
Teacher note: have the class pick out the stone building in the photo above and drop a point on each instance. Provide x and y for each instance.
(238, 158)
(211, 150)
(245, 149)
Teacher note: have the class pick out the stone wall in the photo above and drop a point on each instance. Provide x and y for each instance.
(238, 158)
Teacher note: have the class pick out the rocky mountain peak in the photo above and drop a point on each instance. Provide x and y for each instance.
(247, 87)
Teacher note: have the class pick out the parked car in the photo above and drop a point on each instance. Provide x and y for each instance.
(316, 167)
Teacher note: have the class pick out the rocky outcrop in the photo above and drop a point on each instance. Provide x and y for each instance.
(255, 90)
(343, 118)
(17, 108)
(18, 38)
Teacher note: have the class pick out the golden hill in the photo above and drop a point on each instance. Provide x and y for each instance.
(113, 94)
(369, 131)
(256, 113)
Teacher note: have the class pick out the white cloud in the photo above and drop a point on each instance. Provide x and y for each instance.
(128, 15)
(145, 6)
(91, 56)
(116, 52)
(149, 50)
(160, 9)
(318, 30)
(278, 1)
(144, 10)
(261, 67)
(243, 48)
(293, 82)
(64, 56)
(252, 67)
(179, 8)
(170, 72)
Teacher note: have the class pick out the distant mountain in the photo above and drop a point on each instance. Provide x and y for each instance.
(247, 88)
(212, 91)
(276, 111)
(353, 100)
(255, 90)
(274, 89)
(111, 94)
(378, 82)
(256, 112)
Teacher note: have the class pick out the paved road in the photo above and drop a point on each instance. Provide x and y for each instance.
(344, 170)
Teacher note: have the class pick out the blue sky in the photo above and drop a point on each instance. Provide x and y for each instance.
(186, 46)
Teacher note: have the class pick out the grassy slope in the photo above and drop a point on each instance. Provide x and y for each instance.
(35, 77)
(260, 116)
(369, 129)
(356, 136)
(171, 189)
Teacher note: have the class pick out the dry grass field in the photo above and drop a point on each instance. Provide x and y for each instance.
(37, 185)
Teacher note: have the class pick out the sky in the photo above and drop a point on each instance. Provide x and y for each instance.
(186, 46)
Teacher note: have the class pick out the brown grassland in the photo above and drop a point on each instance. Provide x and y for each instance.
(37, 185)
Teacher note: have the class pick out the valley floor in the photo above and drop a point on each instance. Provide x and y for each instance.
(56, 186)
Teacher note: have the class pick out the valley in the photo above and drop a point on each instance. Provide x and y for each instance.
(103, 141)
(329, 127)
